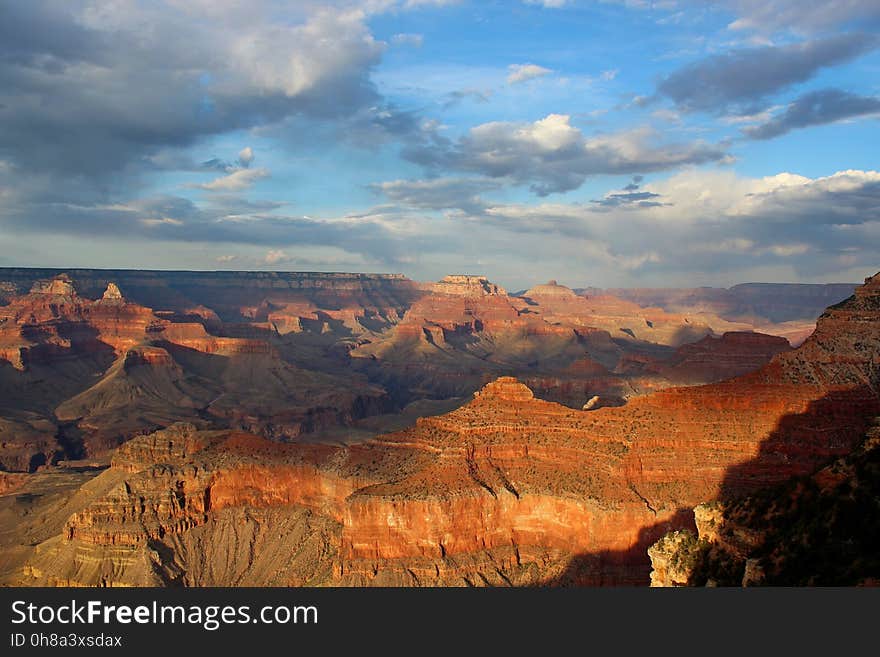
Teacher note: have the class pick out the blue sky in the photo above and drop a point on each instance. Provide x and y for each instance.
(622, 142)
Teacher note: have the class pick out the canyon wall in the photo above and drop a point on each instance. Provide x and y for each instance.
(507, 489)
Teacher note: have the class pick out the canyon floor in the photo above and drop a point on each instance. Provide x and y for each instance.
(256, 428)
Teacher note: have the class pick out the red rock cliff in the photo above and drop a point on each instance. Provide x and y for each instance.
(508, 489)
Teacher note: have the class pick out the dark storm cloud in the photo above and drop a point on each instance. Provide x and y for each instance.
(215, 164)
(741, 79)
(30, 32)
(815, 108)
(93, 95)
(634, 185)
(630, 196)
(803, 15)
(640, 199)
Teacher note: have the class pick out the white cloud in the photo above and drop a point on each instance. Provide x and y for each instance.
(553, 132)
(163, 221)
(236, 181)
(414, 4)
(552, 155)
(788, 250)
(784, 226)
(548, 4)
(785, 192)
(293, 60)
(274, 256)
(712, 226)
(668, 115)
(246, 156)
(408, 39)
(757, 117)
(523, 72)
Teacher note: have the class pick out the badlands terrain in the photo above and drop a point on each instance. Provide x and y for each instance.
(261, 428)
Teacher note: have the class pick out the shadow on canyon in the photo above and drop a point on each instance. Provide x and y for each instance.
(54, 371)
(629, 567)
(800, 444)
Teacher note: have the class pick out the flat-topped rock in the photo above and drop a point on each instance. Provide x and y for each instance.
(465, 285)
(550, 289)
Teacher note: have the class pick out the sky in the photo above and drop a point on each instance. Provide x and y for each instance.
(600, 143)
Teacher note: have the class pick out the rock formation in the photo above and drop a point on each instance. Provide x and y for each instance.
(467, 286)
(58, 286)
(820, 528)
(625, 320)
(233, 295)
(112, 293)
(507, 489)
(468, 331)
(78, 376)
(568, 348)
(716, 359)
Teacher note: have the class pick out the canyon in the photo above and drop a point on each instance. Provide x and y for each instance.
(571, 447)
(91, 358)
(79, 376)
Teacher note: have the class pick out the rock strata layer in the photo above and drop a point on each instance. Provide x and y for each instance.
(508, 489)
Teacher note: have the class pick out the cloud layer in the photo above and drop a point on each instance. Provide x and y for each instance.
(740, 79)
(349, 133)
(96, 88)
(551, 155)
(816, 108)
(524, 72)
(802, 15)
